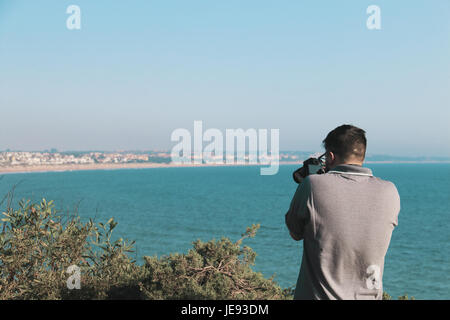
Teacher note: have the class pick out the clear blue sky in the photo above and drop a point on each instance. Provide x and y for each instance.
(137, 70)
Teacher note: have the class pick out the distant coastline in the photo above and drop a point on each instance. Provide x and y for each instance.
(55, 161)
(117, 166)
(114, 166)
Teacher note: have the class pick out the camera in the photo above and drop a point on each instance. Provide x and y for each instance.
(310, 166)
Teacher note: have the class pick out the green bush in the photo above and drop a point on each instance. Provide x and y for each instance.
(37, 245)
(211, 270)
(404, 297)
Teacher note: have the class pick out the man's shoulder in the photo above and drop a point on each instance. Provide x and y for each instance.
(331, 178)
(386, 184)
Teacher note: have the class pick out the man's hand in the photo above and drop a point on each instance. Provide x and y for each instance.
(294, 237)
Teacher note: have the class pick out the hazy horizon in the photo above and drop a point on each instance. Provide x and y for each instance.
(309, 152)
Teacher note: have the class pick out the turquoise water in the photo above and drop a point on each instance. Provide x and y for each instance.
(165, 209)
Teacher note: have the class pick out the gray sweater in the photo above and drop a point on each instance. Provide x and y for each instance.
(345, 218)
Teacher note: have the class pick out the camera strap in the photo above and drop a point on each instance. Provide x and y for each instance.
(353, 173)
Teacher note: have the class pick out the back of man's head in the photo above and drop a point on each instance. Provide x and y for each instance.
(348, 142)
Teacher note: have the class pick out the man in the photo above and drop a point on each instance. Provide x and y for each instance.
(345, 218)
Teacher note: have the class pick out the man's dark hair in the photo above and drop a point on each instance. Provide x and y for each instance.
(347, 141)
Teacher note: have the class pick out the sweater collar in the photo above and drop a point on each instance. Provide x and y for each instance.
(352, 168)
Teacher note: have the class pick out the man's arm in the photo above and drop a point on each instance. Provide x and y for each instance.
(298, 215)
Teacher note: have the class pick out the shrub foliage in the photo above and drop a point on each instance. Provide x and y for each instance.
(38, 245)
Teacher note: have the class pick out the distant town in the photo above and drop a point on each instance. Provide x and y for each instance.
(53, 157)
(66, 158)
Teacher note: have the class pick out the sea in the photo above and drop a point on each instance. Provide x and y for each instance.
(165, 209)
